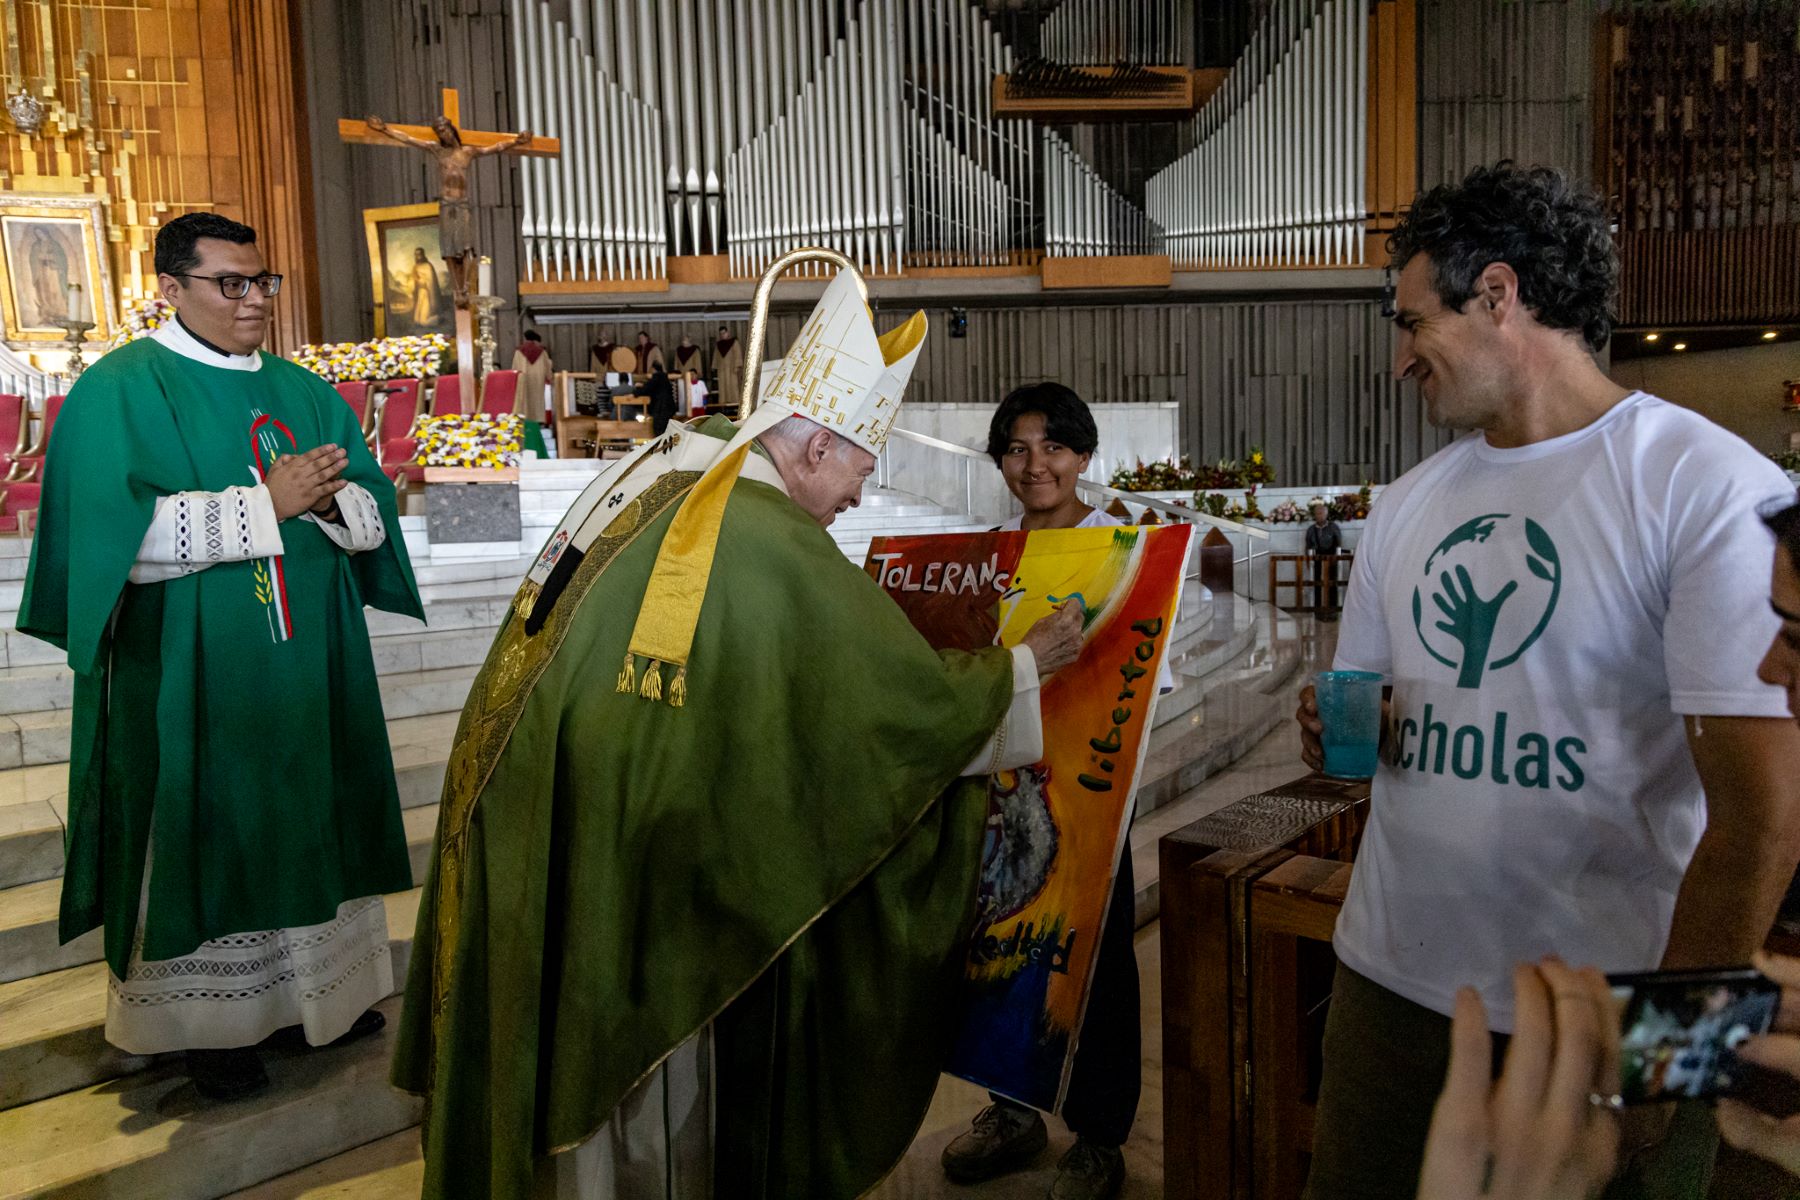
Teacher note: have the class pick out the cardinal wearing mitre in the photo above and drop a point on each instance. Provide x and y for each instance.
(711, 828)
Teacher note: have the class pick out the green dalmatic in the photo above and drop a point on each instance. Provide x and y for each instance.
(229, 717)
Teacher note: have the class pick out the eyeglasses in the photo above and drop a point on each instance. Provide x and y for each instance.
(236, 287)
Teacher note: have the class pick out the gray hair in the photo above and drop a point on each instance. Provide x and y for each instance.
(793, 433)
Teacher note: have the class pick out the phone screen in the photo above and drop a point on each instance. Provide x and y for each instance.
(1681, 1030)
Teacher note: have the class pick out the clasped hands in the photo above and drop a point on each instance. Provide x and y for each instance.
(307, 482)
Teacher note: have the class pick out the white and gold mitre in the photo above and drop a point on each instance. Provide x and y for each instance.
(839, 373)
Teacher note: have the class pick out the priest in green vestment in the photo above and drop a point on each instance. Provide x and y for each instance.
(211, 527)
(707, 856)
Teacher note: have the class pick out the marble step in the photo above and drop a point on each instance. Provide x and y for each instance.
(52, 1026)
(1252, 714)
(30, 690)
(42, 738)
(31, 843)
(477, 606)
(34, 799)
(390, 1169)
(1232, 718)
(28, 912)
(1235, 648)
(154, 1138)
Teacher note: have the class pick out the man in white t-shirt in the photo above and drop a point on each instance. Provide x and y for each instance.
(1568, 606)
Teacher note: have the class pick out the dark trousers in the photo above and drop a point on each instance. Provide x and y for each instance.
(1325, 594)
(1106, 1078)
(1385, 1059)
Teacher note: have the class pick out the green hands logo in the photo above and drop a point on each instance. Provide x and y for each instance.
(1483, 604)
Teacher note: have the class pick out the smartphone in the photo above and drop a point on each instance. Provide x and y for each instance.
(1681, 1031)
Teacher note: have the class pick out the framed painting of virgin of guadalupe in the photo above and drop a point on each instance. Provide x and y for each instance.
(411, 285)
(53, 268)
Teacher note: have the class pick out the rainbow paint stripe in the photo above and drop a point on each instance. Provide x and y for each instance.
(265, 449)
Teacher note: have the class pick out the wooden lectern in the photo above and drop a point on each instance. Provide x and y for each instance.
(1246, 928)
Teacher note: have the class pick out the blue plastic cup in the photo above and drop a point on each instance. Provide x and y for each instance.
(1350, 709)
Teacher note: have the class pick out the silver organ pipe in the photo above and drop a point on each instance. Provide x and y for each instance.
(523, 13)
(745, 128)
(593, 212)
(1277, 173)
(826, 169)
(967, 180)
(1083, 215)
(1094, 33)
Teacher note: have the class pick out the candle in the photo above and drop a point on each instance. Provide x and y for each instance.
(485, 276)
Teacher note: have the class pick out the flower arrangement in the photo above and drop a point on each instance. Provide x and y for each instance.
(142, 319)
(1286, 513)
(1166, 475)
(1258, 470)
(1351, 506)
(1788, 460)
(417, 357)
(469, 440)
(1248, 510)
(1170, 475)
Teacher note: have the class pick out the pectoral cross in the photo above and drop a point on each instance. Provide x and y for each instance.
(455, 149)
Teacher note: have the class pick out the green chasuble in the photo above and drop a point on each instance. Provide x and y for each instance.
(230, 718)
(790, 855)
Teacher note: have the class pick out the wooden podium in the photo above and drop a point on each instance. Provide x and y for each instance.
(1249, 898)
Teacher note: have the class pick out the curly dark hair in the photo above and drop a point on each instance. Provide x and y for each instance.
(1551, 231)
(1066, 419)
(175, 250)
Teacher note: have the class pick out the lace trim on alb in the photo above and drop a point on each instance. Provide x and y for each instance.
(213, 534)
(350, 944)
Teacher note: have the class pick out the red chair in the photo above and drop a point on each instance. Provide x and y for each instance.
(13, 425)
(400, 465)
(498, 391)
(18, 507)
(356, 395)
(30, 464)
(446, 396)
(398, 411)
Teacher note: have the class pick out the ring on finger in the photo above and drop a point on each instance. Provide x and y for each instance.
(1608, 1102)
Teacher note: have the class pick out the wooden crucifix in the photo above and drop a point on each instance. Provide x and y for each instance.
(455, 149)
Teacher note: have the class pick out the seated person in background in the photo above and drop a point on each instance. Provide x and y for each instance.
(1042, 438)
(661, 392)
(1323, 539)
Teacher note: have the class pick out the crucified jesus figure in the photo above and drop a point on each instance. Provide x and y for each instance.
(456, 220)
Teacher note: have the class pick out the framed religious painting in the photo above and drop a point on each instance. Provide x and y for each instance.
(407, 272)
(53, 269)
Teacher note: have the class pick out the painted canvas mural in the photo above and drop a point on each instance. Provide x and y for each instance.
(1056, 828)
